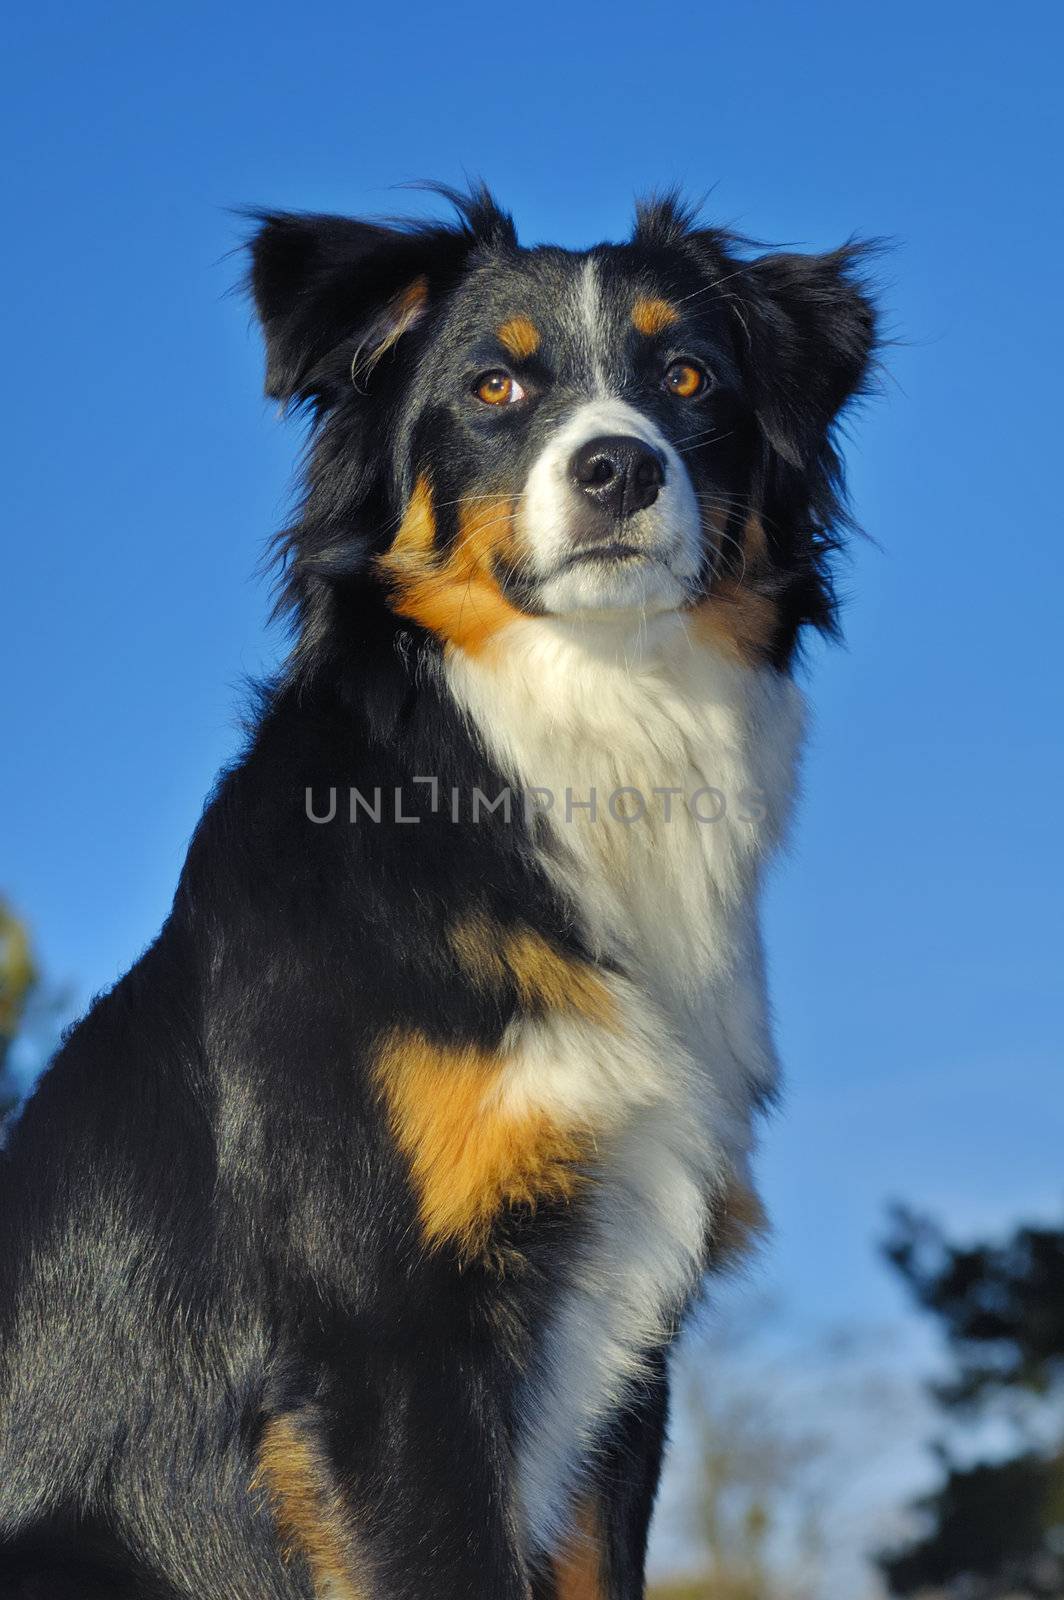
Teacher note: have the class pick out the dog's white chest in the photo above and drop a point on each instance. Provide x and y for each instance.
(665, 776)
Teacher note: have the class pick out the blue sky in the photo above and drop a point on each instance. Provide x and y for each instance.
(915, 927)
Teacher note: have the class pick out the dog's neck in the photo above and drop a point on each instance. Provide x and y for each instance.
(662, 766)
(664, 771)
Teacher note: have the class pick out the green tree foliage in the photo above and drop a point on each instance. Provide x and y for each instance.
(18, 979)
(993, 1529)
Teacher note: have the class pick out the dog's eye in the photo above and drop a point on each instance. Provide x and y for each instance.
(686, 379)
(497, 388)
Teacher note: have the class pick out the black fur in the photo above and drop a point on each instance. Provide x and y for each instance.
(206, 1222)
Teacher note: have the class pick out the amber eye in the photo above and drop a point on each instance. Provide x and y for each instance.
(685, 379)
(498, 389)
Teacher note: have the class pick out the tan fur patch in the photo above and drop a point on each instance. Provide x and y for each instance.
(491, 955)
(520, 336)
(470, 1157)
(306, 1506)
(755, 544)
(579, 1568)
(651, 315)
(736, 617)
(738, 620)
(457, 596)
(402, 313)
(739, 1223)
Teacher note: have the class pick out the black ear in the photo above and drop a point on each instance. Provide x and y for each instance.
(809, 330)
(334, 292)
(323, 282)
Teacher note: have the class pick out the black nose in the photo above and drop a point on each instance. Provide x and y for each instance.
(620, 473)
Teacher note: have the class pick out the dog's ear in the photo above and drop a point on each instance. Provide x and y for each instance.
(334, 294)
(322, 282)
(808, 335)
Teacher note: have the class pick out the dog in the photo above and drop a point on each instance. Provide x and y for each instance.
(346, 1238)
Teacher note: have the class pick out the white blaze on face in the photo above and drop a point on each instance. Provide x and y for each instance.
(668, 533)
(590, 323)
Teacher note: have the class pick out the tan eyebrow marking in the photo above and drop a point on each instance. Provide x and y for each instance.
(520, 336)
(651, 315)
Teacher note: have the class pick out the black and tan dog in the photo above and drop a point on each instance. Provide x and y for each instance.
(344, 1241)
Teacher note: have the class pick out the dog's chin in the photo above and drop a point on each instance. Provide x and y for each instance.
(609, 585)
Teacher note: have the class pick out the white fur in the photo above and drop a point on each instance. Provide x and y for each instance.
(590, 323)
(580, 704)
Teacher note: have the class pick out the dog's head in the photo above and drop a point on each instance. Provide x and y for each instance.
(502, 432)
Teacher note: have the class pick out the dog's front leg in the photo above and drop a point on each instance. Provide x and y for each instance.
(396, 1484)
(604, 1556)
